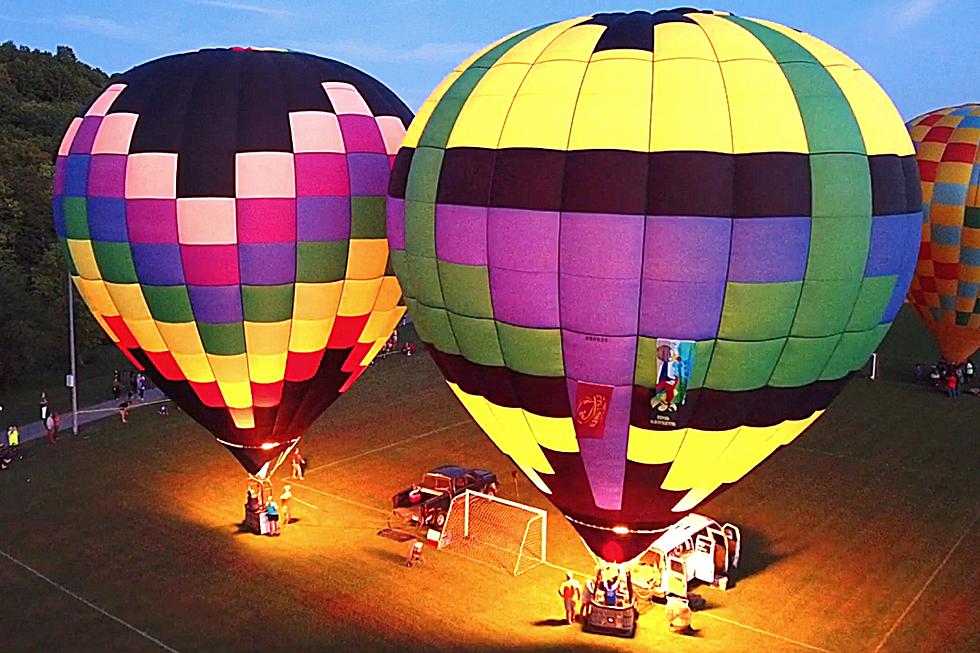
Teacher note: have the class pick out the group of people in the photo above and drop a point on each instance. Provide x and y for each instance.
(9, 447)
(392, 347)
(607, 589)
(258, 500)
(951, 378)
(135, 386)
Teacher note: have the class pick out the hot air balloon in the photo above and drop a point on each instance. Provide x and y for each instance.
(648, 249)
(946, 287)
(223, 216)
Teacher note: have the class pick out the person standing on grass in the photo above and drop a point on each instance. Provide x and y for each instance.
(124, 412)
(140, 386)
(285, 504)
(272, 512)
(587, 595)
(571, 593)
(298, 464)
(951, 386)
(43, 403)
(13, 436)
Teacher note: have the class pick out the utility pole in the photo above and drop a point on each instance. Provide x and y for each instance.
(71, 336)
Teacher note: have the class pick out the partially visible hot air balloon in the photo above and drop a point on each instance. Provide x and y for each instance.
(946, 287)
(222, 213)
(647, 250)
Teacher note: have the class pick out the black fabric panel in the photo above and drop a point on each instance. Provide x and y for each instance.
(772, 184)
(526, 178)
(691, 183)
(623, 183)
(888, 188)
(399, 172)
(633, 31)
(465, 176)
(913, 188)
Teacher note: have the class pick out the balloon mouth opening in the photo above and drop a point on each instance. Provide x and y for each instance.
(616, 542)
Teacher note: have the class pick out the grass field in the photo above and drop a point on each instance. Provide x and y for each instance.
(858, 537)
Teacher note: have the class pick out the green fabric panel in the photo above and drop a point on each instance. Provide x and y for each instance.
(531, 351)
(321, 262)
(840, 185)
(115, 262)
(420, 228)
(853, 352)
(825, 307)
(168, 303)
(971, 217)
(72, 270)
(645, 373)
(802, 361)
(477, 339)
(466, 289)
(396, 260)
(367, 217)
(76, 217)
(267, 303)
(737, 366)
(872, 300)
(962, 319)
(434, 328)
(703, 351)
(423, 273)
(838, 248)
(222, 339)
(423, 177)
(741, 318)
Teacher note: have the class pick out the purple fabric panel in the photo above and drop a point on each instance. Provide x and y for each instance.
(361, 134)
(686, 248)
(523, 240)
(601, 245)
(58, 208)
(107, 219)
(85, 137)
(152, 221)
(685, 310)
(368, 173)
(606, 307)
(769, 250)
(60, 168)
(76, 175)
(510, 290)
(322, 219)
(216, 304)
(606, 361)
(604, 458)
(267, 264)
(396, 223)
(158, 264)
(107, 175)
(461, 234)
(894, 244)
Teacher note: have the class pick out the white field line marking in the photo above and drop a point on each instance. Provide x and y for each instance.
(925, 586)
(390, 445)
(145, 635)
(344, 499)
(869, 461)
(765, 632)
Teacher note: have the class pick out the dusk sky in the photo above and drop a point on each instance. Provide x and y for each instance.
(923, 52)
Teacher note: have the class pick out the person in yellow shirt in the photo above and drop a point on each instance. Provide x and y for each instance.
(571, 593)
(13, 436)
(285, 504)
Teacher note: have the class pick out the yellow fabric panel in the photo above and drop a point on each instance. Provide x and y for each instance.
(969, 135)
(698, 452)
(84, 258)
(309, 335)
(521, 444)
(181, 338)
(730, 41)
(195, 367)
(105, 326)
(918, 132)
(146, 334)
(541, 114)
(650, 447)
(237, 394)
(366, 258)
(528, 50)
(229, 369)
(881, 125)
(128, 298)
(380, 324)
(613, 109)
(372, 352)
(822, 52)
(482, 117)
(415, 128)
(949, 120)
(952, 172)
(388, 295)
(690, 107)
(358, 297)
(244, 418)
(931, 151)
(266, 368)
(96, 296)
(576, 44)
(317, 301)
(265, 338)
(479, 409)
(681, 41)
(625, 53)
(764, 112)
(553, 433)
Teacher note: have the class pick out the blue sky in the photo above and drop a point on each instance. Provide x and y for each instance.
(925, 53)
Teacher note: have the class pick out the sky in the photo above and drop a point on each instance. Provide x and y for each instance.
(924, 53)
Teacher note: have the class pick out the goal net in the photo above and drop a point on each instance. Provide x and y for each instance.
(503, 533)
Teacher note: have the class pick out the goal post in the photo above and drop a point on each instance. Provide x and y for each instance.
(490, 529)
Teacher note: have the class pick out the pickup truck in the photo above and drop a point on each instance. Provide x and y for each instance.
(428, 502)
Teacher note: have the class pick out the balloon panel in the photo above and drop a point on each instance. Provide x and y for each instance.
(946, 286)
(646, 250)
(222, 212)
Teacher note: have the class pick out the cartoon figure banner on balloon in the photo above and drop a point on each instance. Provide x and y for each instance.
(701, 223)
(222, 214)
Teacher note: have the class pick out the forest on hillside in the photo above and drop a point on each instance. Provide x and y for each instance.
(40, 93)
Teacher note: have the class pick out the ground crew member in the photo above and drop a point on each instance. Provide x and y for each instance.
(571, 593)
(285, 501)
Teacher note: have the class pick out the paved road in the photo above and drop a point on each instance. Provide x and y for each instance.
(35, 430)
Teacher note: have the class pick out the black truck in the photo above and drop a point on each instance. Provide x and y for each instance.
(427, 503)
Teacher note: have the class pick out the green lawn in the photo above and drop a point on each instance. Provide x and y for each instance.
(843, 530)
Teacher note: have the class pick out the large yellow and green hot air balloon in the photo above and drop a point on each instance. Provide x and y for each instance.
(946, 287)
(648, 249)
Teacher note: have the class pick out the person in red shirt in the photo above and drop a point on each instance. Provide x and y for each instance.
(951, 386)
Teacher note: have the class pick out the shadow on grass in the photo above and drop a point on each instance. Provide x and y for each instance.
(757, 554)
(386, 555)
(550, 622)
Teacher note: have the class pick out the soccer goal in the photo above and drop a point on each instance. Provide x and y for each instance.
(489, 529)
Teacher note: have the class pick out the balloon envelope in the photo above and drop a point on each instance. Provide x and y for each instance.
(646, 250)
(946, 287)
(222, 213)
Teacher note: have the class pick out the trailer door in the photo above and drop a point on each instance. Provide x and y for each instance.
(704, 559)
(675, 577)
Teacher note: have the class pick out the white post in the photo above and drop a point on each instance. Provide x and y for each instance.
(71, 345)
(466, 514)
(874, 366)
(544, 537)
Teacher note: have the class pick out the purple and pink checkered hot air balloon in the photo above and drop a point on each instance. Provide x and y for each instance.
(223, 216)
